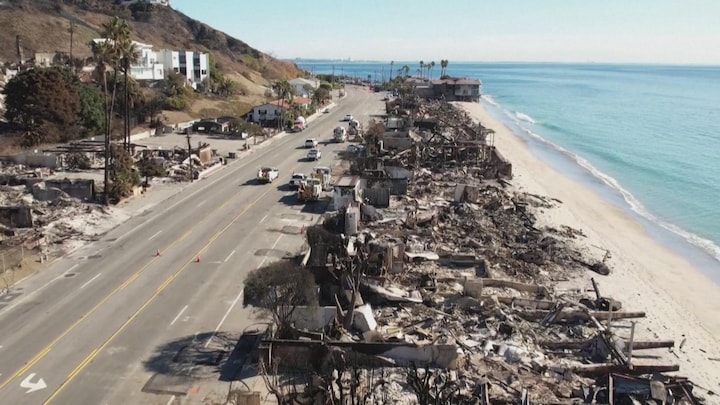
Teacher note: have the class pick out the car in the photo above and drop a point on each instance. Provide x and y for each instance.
(314, 154)
(326, 111)
(311, 143)
(267, 174)
(348, 117)
(297, 179)
(352, 149)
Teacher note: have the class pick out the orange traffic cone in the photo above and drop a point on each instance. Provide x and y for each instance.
(197, 260)
(157, 252)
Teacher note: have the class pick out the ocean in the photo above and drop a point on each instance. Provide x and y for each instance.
(645, 137)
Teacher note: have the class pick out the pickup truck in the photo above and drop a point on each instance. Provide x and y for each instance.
(297, 180)
(314, 154)
(267, 174)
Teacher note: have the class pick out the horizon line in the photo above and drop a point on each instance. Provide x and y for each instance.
(715, 64)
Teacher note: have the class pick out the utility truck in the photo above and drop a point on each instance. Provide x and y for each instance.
(339, 134)
(310, 190)
(322, 173)
(354, 127)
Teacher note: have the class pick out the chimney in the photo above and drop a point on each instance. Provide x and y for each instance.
(19, 50)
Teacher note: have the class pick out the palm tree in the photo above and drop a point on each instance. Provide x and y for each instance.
(431, 66)
(443, 67)
(405, 69)
(71, 30)
(129, 56)
(392, 62)
(118, 52)
(104, 56)
(422, 66)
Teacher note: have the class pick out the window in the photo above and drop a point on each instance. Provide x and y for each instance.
(203, 72)
(176, 70)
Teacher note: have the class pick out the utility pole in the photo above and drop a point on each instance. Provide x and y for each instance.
(192, 171)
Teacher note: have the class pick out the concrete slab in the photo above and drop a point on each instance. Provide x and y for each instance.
(168, 384)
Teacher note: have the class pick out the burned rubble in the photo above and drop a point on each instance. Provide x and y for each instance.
(439, 286)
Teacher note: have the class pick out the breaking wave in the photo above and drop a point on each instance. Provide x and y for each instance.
(524, 117)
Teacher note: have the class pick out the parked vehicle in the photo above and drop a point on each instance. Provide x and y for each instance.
(297, 180)
(310, 190)
(339, 134)
(299, 125)
(354, 127)
(323, 173)
(267, 174)
(348, 117)
(326, 111)
(311, 143)
(314, 154)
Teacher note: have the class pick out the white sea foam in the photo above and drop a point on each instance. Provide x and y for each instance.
(490, 100)
(524, 117)
(634, 204)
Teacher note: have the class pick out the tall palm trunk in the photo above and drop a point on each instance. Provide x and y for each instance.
(127, 113)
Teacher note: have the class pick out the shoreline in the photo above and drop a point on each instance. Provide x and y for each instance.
(680, 300)
(699, 250)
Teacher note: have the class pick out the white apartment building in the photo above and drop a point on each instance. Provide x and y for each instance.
(149, 66)
(193, 65)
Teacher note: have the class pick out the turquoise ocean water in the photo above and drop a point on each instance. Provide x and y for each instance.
(645, 137)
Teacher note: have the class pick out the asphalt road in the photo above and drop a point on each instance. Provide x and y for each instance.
(87, 330)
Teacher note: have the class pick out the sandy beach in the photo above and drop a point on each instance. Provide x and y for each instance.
(681, 303)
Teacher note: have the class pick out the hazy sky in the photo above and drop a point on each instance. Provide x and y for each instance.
(642, 31)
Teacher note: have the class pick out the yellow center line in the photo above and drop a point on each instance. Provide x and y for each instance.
(77, 370)
(121, 287)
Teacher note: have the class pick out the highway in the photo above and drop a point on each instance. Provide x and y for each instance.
(86, 330)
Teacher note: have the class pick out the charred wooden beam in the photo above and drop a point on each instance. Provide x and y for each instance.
(578, 315)
(637, 369)
(577, 344)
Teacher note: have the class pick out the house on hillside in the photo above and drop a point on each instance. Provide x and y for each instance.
(304, 87)
(193, 65)
(149, 66)
(272, 111)
(456, 89)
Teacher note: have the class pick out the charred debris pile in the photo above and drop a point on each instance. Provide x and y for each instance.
(446, 291)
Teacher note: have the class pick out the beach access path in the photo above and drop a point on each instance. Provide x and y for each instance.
(681, 302)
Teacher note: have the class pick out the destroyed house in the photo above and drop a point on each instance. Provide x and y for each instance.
(400, 140)
(381, 184)
(346, 190)
(208, 126)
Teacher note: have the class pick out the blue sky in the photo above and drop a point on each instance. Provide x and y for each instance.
(638, 31)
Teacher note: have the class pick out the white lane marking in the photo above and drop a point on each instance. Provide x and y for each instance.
(263, 218)
(32, 386)
(235, 301)
(273, 247)
(217, 328)
(90, 281)
(156, 234)
(178, 315)
(229, 256)
(31, 293)
(201, 203)
(171, 400)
